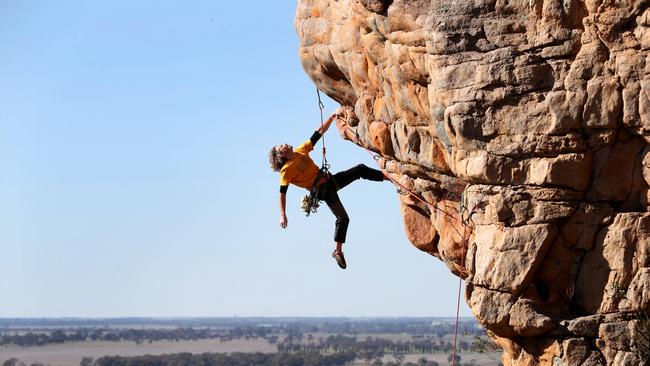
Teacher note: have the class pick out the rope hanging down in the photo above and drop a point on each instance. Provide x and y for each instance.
(321, 106)
(309, 203)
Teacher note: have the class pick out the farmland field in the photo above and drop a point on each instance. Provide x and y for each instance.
(70, 354)
(393, 341)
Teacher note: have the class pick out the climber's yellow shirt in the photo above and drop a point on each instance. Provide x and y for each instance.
(300, 170)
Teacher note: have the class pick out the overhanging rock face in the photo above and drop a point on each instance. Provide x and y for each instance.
(526, 126)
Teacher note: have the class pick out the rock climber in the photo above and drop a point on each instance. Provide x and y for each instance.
(296, 167)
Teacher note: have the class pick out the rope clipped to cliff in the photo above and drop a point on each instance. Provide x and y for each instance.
(464, 235)
(401, 188)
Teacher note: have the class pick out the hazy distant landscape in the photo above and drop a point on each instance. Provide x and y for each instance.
(243, 341)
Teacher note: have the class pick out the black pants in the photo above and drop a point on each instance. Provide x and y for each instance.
(340, 180)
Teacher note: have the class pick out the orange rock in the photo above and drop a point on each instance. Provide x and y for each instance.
(418, 228)
(380, 135)
(541, 110)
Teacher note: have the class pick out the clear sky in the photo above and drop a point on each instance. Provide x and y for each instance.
(134, 176)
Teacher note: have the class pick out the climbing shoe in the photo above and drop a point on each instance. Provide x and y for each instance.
(340, 259)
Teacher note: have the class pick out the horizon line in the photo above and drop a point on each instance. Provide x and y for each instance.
(236, 317)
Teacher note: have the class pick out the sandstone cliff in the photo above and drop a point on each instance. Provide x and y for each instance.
(526, 126)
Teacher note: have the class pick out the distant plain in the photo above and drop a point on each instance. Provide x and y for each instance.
(70, 354)
(235, 335)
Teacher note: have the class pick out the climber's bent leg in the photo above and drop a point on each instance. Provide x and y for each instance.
(346, 177)
(341, 227)
(342, 221)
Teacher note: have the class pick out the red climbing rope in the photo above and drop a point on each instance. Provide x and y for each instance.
(402, 187)
(436, 208)
(460, 286)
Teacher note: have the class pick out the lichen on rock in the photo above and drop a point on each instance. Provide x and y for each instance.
(525, 125)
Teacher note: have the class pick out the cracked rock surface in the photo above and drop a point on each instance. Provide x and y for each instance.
(525, 127)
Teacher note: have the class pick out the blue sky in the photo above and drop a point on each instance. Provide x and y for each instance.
(133, 144)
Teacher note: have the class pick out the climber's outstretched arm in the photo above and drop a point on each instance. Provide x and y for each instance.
(326, 125)
(283, 214)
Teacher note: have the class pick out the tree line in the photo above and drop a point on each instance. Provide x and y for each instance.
(241, 359)
(293, 342)
(135, 335)
(271, 333)
(371, 347)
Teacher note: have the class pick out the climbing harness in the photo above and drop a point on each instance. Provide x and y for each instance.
(310, 202)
